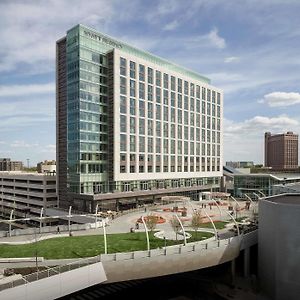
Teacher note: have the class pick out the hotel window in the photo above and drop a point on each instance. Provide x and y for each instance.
(141, 72)
(198, 124)
(150, 127)
(158, 128)
(141, 144)
(203, 93)
(192, 133)
(132, 143)
(158, 112)
(179, 101)
(122, 123)
(208, 109)
(186, 88)
(208, 136)
(173, 83)
(132, 125)
(158, 78)
(122, 169)
(141, 126)
(132, 69)
(123, 142)
(173, 131)
(158, 146)
(198, 106)
(166, 113)
(203, 149)
(208, 149)
(150, 110)
(132, 169)
(166, 81)
(218, 111)
(218, 98)
(192, 148)
(179, 116)
(192, 90)
(150, 75)
(132, 88)
(166, 146)
(186, 148)
(132, 106)
(142, 108)
(186, 102)
(208, 122)
(192, 104)
(213, 97)
(186, 117)
(123, 105)
(173, 118)
(166, 130)
(179, 147)
(179, 132)
(213, 123)
(123, 85)
(179, 85)
(150, 144)
(158, 95)
(213, 110)
(141, 90)
(197, 91)
(218, 124)
(122, 66)
(208, 95)
(172, 99)
(150, 93)
(166, 97)
(218, 137)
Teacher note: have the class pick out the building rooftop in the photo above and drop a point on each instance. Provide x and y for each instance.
(114, 43)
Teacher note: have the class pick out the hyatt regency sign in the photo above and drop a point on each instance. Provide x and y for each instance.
(102, 39)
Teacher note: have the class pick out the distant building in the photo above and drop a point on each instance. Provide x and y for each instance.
(6, 164)
(261, 182)
(46, 166)
(239, 164)
(26, 193)
(281, 151)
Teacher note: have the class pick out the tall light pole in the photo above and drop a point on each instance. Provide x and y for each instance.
(147, 235)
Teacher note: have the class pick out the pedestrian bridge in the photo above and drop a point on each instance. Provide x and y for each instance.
(108, 268)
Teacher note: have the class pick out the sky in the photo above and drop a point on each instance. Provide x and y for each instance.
(250, 49)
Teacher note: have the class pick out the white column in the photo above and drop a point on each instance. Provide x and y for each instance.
(10, 221)
(69, 216)
(41, 218)
(213, 224)
(104, 236)
(96, 218)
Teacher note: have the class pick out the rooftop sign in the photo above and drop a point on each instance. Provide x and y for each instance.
(102, 39)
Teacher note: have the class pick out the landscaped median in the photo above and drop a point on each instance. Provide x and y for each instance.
(92, 245)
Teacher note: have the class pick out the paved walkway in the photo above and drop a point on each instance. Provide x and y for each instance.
(124, 223)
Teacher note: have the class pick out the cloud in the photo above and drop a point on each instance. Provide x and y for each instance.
(23, 90)
(244, 140)
(215, 39)
(171, 26)
(231, 59)
(23, 144)
(281, 99)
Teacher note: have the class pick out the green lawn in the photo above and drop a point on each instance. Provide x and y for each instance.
(218, 224)
(86, 246)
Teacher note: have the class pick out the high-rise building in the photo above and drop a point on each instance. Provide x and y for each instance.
(6, 164)
(129, 122)
(281, 151)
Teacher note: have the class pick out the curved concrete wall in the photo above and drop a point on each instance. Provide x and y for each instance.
(176, 260)
(279, 246)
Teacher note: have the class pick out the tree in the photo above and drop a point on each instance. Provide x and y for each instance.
(197, 220)
(175, 225)
(151, 221)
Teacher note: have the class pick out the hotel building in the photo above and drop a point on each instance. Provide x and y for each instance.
(131, 124)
